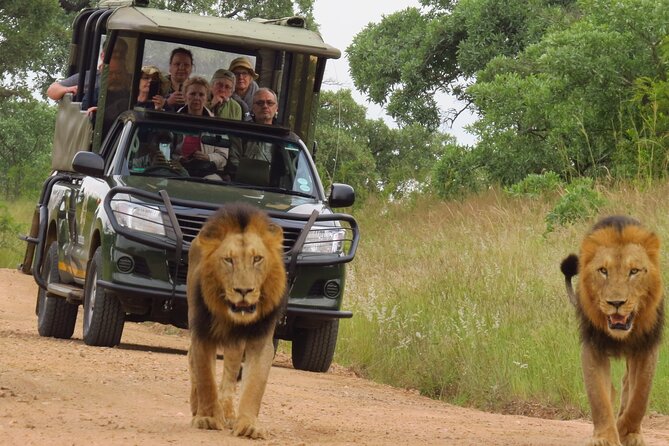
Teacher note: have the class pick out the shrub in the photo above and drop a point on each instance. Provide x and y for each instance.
(580, 202)
(535, 185)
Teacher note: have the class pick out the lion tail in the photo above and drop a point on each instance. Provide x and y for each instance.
(569, 268)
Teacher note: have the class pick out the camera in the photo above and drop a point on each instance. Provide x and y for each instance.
(154, 88)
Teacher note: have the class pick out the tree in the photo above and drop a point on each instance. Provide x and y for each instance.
(26, 134)
(367, 153)
(35, 34)
(343, 155)
(411, 56)
(557, 104)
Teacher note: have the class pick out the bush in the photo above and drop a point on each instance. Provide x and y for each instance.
(535, 185)
(579, 202)
(457, 173)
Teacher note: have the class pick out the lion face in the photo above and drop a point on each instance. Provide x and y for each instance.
(241, 269)
(243, 262)
(620, 285)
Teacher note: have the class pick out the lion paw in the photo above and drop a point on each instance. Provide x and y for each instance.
(211, 423)
(245, 427)
(633, 439)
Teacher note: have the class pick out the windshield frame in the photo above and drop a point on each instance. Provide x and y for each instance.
(171, 122)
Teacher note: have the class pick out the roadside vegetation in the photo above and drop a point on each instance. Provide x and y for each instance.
(464, 300)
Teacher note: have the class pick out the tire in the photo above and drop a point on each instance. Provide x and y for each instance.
(56, 317)
(313, 349)
(103, 315)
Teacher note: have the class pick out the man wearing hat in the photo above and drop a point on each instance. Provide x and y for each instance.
(246, 85)
(222, 88)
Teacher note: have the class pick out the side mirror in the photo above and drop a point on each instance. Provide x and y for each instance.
(341, 195)
(88, 163)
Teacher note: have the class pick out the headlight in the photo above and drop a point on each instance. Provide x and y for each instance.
(138, 217)
(324, 240)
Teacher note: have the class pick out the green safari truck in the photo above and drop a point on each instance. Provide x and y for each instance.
(114, 222)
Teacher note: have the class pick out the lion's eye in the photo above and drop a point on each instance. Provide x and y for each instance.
(257, 259)
(634, 271)
(603, 271)
(228, 260)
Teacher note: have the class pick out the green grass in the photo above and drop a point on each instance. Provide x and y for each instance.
(20, 214)
(465, 301)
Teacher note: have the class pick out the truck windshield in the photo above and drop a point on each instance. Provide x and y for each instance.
(224, 157)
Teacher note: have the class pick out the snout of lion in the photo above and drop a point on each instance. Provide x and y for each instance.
(619, 323)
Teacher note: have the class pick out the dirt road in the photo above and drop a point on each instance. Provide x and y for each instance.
(56, 392)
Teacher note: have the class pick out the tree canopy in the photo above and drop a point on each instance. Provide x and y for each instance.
(570, 86)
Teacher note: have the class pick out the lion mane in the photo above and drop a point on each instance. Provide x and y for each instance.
(236, 287)
(620, 305)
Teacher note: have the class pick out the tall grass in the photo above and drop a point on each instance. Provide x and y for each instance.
(464, 301)
(20, 214)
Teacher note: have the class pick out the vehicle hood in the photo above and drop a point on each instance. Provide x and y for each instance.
(220, 194)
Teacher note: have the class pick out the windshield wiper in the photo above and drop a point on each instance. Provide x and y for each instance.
(288, 192)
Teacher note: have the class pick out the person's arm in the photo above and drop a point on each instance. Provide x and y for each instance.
(58, 89)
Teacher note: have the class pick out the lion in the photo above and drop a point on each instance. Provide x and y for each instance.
(236, 287)
(620, 304)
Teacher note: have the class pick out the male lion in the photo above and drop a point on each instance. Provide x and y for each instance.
(235, 288)
(620, 304)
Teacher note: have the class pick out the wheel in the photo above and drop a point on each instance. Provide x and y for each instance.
(56, 317)
(313, 349)
(103, 315)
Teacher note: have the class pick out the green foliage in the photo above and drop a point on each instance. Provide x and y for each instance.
(245, 9)
(457, 173)
(578, 88)
(580, 202)
(410, 56)
(369, 155)
(535, 185)
(26, 135)
(33, 39)
(642, 146)
(15, 219)
(8, 228)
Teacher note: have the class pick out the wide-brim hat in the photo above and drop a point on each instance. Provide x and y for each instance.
(245, 63)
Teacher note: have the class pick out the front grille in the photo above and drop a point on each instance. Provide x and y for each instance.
(191, 224)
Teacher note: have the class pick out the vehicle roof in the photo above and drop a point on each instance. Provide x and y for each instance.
(242, 34)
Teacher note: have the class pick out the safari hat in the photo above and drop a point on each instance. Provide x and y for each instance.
(222, 73)
(245, 63)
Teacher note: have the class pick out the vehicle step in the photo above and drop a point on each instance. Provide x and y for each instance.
(29, 239)
(72, 293)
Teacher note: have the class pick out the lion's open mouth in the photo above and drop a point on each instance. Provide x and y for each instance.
(620, 322)
(242, 307)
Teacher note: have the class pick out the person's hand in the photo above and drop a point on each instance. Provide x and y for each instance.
(73, 89)
(91, 110)
(199, 155)
(176, 98)
(157, 158)
(158, 102)
(216, 100)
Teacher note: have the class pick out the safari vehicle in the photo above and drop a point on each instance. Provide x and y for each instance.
(115, 221)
